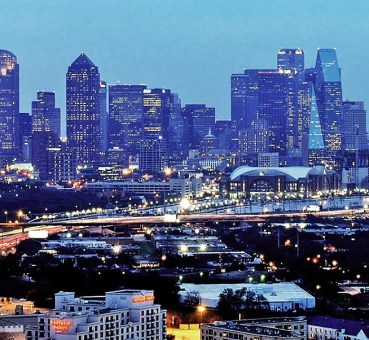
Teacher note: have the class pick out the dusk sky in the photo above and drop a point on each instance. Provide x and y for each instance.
(189, 46)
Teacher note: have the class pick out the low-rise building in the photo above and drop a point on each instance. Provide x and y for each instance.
(291, 328)
(281, 296)
(326, 327)
(122, 314)
(181, 187)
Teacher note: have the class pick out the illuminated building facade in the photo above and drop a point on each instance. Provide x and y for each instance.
(122, 314)
(291, 61)
(103, 91)
(83, 109)
(156, 115)
(125, 117)
(317, 154)
(328, 90)
(275, 103)
(283, 97)
(45, 116)
(45, 131)
(62, 165)
(244, 98)
(354, 123)
(9, 106)
(155, 133)
(247, 181)
(254, 139)
(153, 156)
(177, 146)
(25, 133)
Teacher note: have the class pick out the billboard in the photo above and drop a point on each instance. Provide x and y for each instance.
(38, 234)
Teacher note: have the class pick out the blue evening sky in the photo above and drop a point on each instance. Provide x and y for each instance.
(189, 46)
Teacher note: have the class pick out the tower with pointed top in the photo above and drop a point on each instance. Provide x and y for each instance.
(328, 90)
(9, 106)
(83, 110)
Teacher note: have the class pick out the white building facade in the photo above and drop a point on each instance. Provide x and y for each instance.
(123, 314)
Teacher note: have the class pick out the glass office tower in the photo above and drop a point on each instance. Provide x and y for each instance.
(125, 117)
(328, 91)
(83, 109)
(9, 106)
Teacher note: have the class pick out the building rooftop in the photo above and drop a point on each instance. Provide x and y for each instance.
(293, 172)
(351, 327)
(19, 320)
(273, 292)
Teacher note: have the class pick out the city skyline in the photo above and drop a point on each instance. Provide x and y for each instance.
(191, 50)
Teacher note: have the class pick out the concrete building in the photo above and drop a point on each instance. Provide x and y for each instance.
(292, 328)
(123, 314)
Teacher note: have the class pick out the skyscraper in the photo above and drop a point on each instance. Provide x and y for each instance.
(178, 149)
(199, 119)
(328, 91)
(157, 107)
(25, 134)
(45, 116)
(9, 106)
(103, 115)
(354, 123)
(155, 132)
(292, 59)
(126, 117)
(275, 105)
(83, 109)
(244, 98)
(45, 131)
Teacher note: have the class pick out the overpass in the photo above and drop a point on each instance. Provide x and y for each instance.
(190, 218)
(11, 234)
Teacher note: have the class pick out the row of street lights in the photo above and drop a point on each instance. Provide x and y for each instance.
(20, 214)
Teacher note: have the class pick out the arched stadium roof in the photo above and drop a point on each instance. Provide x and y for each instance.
(293, 172)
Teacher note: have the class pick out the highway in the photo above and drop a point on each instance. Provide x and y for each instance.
(12, 234)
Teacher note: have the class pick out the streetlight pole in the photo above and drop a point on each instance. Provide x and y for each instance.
(201, 309)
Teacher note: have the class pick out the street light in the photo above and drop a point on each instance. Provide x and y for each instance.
(185, 204)
(20, 215)
(6, 216)
(201, 310)
(116, 249)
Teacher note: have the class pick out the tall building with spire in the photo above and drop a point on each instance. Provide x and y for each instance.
(83, 110)
(9, 106)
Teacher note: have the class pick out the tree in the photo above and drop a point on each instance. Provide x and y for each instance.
(261, 302)
(231, 302)
(192, 299)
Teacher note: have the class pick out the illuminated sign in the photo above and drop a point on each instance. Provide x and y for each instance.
(143, 298)
(61, 325)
